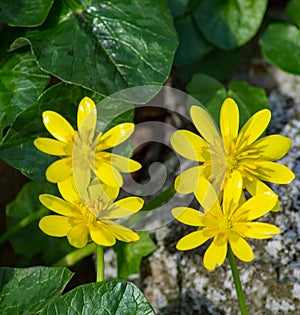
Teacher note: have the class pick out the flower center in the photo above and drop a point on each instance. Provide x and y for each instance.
(224, 224)
(88, 215)
(231, 163)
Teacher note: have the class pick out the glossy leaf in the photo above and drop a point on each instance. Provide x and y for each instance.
(178, 7)
(211, 93)
(21, 83)
(29, 290)
(24, 12)
(107, 46)
(192, 45)
(281, 46)
(129, 255)
(114, 297)
(293, 10)
(230, 24)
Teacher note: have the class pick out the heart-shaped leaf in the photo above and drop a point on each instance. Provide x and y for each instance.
(281, 46)
(230, 24)
(113, 297)
(27, 291)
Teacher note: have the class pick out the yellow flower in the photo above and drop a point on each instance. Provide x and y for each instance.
(233, 150)
(230, 222)
(83, 152)
(82, 220)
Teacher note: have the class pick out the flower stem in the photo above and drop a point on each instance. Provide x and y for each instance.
(237, 282)
(100, 263)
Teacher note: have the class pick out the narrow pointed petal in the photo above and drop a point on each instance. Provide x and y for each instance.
(87, 110)
(99, 190)
(206, 194)
(254, 127)
(59, 170)
(188, 216)
(256, 207)
(232, 193)
(205, 125)
(122, 208)
(101, 235)
(216, 253)
(59, 205)
(122, 163)
(78, 235)
(189, 145)
(122, 233)
(260, 230)
(53, 147)
(58, 126)
(108, 175)
(274, 172)
(115, 136)
(240, 247)
(272, 147)
(188, 180)
(55, 225)
(192, 240)
(229, 120)
(68, 190)
(130, 203)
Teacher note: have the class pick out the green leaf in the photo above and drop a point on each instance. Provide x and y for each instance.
(250, 99)
(211, 93)
(30, 239)
(293, 10)
(178, 7)
(107, 46)
(21, 83)
(113, 297)
(192, 44)
(29, 290)
(129, 255)
(280, 45)
(230, 24)
(24, 12)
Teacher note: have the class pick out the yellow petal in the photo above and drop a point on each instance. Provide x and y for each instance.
(55, 225)
(78, 235)
(256, 187)
(254, 127)
(189, 145)
(256, 207)
(101, 235)
(206, 194)
(53, 147)
(108, 175)
(121, 163)
(115, 136)
(192, 240)
(272, 147)
(188, 216)
(68, 190)
(121, 232)
(240, 247)
(87, 108)
(274, 172)
(205, 125)
(130, 203)
(188, 180)
(59, 205)
(216, 253)
(82, 178)
(229, 120)
(58, 126)
(232, 193)
(261, 230)
(59, 170)
(99, 190)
